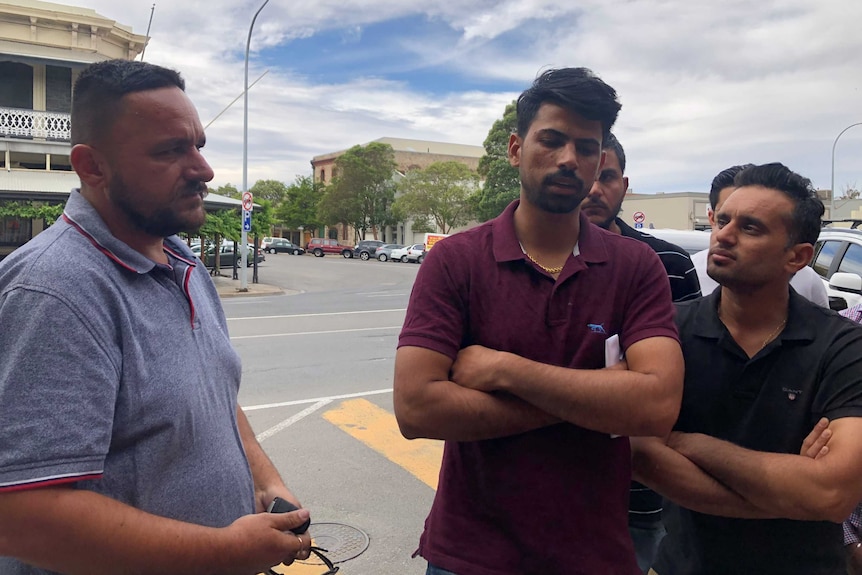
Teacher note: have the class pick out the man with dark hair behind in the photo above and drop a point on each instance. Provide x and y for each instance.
(806, 281)
(502, 351)
(763, 368)
(123, 448)
(602, 206)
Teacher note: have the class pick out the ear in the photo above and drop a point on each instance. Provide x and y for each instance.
(625, 184)
(514, 150)
(710, 215)
(89, 164)
(799, 256)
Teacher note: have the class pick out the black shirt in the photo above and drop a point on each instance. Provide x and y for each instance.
(767, 403)
(645, 505)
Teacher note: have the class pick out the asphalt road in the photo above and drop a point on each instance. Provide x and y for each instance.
(317, 380)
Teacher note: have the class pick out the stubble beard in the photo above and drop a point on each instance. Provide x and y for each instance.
(165, 221)
(555, 203)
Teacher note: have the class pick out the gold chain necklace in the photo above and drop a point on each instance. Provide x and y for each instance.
(769, 337)
(554, 270)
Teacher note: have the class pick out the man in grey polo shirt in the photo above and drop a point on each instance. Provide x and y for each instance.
(122, 447)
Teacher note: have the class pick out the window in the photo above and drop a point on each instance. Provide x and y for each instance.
(14, 231)
(824, 258)
(852, 260)
(323, 176)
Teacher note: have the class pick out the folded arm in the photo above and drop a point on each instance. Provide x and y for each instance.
(641, 400)
(428, 404)
(793, 486)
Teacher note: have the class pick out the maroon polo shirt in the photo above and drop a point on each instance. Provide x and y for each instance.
(553, 500)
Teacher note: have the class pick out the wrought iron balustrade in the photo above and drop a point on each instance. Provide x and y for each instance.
(20, 123)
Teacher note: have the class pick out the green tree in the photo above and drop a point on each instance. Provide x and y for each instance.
(442, 191)
(31, 210)
(363, 193)
(502, 183)
(228, 190)
(271, 190)
(299, 207)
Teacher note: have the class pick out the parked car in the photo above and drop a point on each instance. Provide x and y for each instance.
(365, 249)
(414, 253)
(691, 241)
(322, 246)
(264, 243)
(227, 256)
(281, 245)
(384, 252)
(838, 262)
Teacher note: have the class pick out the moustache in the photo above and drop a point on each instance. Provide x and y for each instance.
(196, 189)
(588, 203)
(565, 177)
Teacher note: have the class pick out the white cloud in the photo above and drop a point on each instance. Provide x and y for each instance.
(704, 85)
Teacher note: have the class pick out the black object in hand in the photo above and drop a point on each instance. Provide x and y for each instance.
(280, 505)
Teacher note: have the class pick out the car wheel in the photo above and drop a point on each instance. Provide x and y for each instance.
(364, 256)
(419, 259)
(382, 257)
(271, 250)
(346, 254)
(403, 259)
(296, 252)
(318, 253)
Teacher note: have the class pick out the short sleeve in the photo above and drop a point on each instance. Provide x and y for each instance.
(58, 387)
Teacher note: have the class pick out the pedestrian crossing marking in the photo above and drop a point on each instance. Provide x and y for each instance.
(377, 428)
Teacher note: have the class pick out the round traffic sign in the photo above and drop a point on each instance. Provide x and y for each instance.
(638, 217)
(247, 201)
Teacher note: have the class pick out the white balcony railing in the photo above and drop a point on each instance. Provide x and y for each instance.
(35, 124)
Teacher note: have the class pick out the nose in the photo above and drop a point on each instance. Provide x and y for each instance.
(199, 169)
(724, 235)
(567, 157)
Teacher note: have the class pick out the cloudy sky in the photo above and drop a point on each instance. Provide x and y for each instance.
(703, 84)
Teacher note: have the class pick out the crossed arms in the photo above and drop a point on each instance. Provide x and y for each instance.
(716, 477)
(485, 393)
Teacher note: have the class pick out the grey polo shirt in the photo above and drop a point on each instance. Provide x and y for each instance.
(118, 375)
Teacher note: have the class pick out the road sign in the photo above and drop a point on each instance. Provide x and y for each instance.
(638, 217)
(247, 201)
(639, 225)
(246, 221)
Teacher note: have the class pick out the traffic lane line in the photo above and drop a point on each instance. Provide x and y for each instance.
(378, 429)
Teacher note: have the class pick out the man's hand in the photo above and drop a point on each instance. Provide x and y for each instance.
(474, 368)
(815, 445)
(263, 540)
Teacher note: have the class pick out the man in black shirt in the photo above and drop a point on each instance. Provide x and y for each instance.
(602, 206)
(763, 367)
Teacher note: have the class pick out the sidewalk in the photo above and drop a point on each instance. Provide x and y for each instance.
(228, 287)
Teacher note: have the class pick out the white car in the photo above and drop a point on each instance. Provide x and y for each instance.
(414, 253)
(838, 262)
(692, 241)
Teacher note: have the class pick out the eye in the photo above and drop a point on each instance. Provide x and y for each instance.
(587, 148)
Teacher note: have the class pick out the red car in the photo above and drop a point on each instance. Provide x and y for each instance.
(322, 246)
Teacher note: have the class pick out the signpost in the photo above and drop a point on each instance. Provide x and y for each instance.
(639, 218)
(247, 206)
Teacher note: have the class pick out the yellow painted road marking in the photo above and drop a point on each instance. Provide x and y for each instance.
(377, 428)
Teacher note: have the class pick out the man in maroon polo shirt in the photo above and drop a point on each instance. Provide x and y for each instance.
(502, 355)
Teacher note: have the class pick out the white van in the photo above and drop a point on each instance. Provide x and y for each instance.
(691, 241)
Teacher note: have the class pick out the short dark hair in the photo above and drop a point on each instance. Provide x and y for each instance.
(723, 180)
(805, 220)
(100, 88)
(576, 89)
(610, 143)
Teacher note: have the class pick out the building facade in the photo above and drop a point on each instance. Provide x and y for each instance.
(409, 155)
(43, 48)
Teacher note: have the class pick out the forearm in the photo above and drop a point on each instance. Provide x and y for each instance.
(617, 401)
(76, 531)
(267, 480)
(674, 476)
(786, 485)
(444, 410)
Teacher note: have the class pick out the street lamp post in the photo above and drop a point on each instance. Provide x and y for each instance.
(244, 245)
(832, 184)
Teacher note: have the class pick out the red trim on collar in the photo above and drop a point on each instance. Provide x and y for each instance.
(180, 257)
(50, 483)
(97, 245)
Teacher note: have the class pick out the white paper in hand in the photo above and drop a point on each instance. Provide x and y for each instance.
(613, 355)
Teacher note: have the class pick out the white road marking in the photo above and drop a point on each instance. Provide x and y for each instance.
(315, 314)
(291, 420)
(314, 332)
(317, 399)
